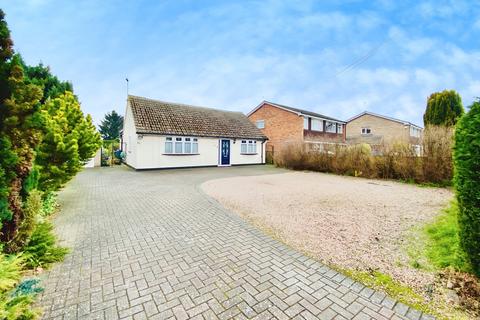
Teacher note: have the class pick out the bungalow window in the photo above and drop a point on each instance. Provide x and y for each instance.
(195, 145)
(179, 145)
(339, 128)
(168, 145)
(366, 131)
(305, 123)
(317, 125)
(260, 124)
(248, 147)
(188, 145)
(330, 127)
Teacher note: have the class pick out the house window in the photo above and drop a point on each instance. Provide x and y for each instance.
(317, 125)
(180, 145)
(330, 127)
(260, 124)
(248, 147)
(195, 145)
(366, 131)
(339, 128)
(188, 145)
(415, 132)
(168, 145)
(305, 123)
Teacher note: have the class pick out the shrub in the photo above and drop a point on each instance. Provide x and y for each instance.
(467, 182)
(49, 203)
(16, 305)
(41, 250)
(395, 160)
(10, 271)
(437, 143)
(32, 209)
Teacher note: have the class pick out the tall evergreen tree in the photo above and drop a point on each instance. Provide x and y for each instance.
(443, 108)
(467, 182)
(41, 76)
(70, 139)
(20, 122)
(111, 126)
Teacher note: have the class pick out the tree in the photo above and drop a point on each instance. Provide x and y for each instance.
(70, 140)
(111, 126)
(467, 182)
(41, 76)
(443, 108)
(19, 135)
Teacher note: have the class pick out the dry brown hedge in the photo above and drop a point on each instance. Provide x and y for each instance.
(396, 160)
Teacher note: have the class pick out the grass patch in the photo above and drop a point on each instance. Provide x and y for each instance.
(443, 243)
(396, 290)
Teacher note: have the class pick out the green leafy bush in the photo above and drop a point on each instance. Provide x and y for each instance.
(467, 182)
(42, 250)
(49, 203)
(17, 304)
(10, 271)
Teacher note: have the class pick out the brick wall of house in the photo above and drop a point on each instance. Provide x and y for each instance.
(381, 130)
(281, 127)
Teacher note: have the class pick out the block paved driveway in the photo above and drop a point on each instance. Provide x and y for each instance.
(151, 245)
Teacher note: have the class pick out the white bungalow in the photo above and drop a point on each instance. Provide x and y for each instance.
(159, 135)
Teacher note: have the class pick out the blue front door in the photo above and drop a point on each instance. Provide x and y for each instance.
(225, 152)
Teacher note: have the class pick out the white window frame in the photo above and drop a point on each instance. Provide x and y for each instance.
(320, 125)
(414, 132)
(260, 124)
(305, 123)
(330, 127)
(366, 130)
(183, 141)
(248, 147)
(339, 128)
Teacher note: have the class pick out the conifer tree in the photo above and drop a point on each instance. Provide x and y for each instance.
(443, 108)
(69, 140)
(20, 122)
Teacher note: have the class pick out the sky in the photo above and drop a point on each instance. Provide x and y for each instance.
(337, 58)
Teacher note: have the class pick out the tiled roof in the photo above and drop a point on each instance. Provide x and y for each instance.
(299, 111)
(159, 117)
(383, 117)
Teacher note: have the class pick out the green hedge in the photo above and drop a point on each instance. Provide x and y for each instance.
(467, 182)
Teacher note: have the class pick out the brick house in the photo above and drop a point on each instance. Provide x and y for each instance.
(375, 129)
(283, 125)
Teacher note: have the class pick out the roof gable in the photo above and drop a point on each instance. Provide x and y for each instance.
(297, 111)
(383, 117)
(159, 117)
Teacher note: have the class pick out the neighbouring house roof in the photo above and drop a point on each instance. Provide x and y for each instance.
(300, 112)
(383, 117)
(166, 118)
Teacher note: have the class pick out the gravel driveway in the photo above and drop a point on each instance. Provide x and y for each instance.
(349, 222)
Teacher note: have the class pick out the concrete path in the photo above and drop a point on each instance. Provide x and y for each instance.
(151, 245)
